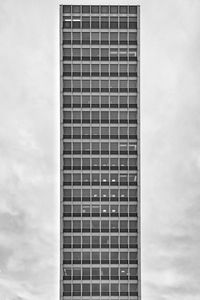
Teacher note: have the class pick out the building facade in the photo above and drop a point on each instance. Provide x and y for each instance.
(100, 253)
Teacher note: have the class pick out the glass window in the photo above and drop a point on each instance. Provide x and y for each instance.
(113, 22)
(114, 132)
(85, 101)
(95, 22)
(104, 132)
(76, 37)
(86, 68)
(95, 35)
(104, 69)
(86, 255)
(85, 9)
(132, 37)
(104, 22)
(86, 52)
(123, 37)
(104, 9)
(114, 37)
(95, 85)
(104, 37)
(85, 37)
(95, 52)
(104, 53)
(86, 289)
(113, 69)
(95, 9)
(95, 132)
(95, 69)
(114, 9)
(104, 257)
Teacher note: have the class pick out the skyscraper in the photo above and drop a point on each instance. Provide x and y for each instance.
(100, 153)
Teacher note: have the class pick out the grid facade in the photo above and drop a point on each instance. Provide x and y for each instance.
(100, 153)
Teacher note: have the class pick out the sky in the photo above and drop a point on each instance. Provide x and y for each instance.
(29, 148)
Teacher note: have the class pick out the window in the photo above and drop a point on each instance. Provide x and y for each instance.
(95, 85)
(95, 70)
(86, 70)
(123, 23)
(132, 38)
(105, 257)
(86, 101)
(66, 38)
(104, 38)
(95, 36)
(85, 38)
(95, 286)
(113, 22)
(95, 258)
(104, 85)
(113, 70)
(76, 37)
(114, 163)
(114, 38)
(86, 54)
(95, 22)
(86, 86)
(104, 160)
(123, 38)
(95, 9)
(113, 133)
(114, 9)
(86, 257)
(76, 53)
(66, 53)
(76, 195)
(85, 9)
(95, 54)
(104, 22)
(96, 274)
(67, 85)
(66, 9)
(95, 132)
(104, 9)
(86, 289)
(104, 54)
(95, 101)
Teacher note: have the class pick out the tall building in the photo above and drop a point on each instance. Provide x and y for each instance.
(100, 153)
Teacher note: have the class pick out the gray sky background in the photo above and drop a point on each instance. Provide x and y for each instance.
(29, 149)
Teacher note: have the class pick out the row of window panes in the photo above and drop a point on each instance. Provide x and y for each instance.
(97, 101)
(86, 273)
(100, 241)
(95, 179)
(103, 289)
(115, 147)
(96, 194)
(99, 226)
(95, 9)
(87, 116)
(104, 23)
(103, 38)
(85, 86)
(97, 69)
(97, 210)
(122, 132)
(114, 163)
(97, 257)
(98, 52)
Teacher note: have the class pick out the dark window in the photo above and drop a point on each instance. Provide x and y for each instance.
(85, 9)
(76, 9)
(66, 9)
(95, 9)
(104, 9)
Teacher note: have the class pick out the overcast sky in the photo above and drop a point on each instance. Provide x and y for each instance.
(29, 149)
